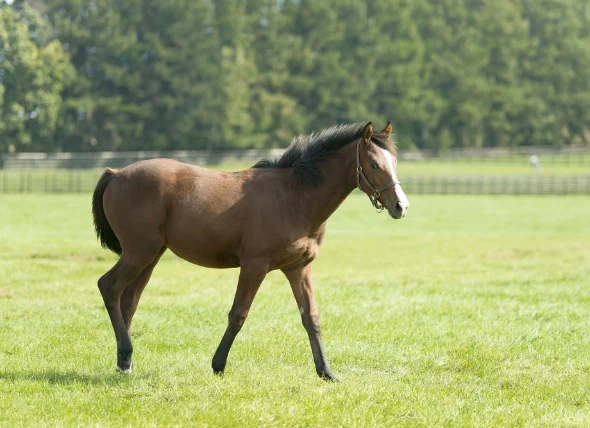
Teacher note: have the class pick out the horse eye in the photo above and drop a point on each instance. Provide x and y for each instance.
(374, 165)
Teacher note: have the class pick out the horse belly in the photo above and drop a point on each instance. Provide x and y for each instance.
(204, 254)
(218, 260)
(201, 242)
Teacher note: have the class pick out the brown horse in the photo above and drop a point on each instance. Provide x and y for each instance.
(271, 216)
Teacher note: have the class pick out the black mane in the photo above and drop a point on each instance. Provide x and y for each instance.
(304, 153)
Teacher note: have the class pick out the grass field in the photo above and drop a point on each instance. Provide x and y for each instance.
(472, 311)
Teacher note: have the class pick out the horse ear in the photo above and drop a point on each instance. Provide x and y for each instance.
(368, 132)
(387, 130)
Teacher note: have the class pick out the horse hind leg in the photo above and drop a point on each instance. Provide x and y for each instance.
(132, 293)
(111, 286)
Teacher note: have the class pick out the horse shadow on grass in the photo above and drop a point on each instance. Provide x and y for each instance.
(64, 377)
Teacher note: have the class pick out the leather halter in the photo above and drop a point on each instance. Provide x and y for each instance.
(375, 193)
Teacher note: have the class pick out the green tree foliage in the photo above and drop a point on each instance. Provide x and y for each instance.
(148, 74)
(556, 71)
(33, 71)
(180, 74)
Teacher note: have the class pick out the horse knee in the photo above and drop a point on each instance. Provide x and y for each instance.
(311, 323)
(235, 321)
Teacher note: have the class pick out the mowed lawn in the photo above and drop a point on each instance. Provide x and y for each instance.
(472, 311)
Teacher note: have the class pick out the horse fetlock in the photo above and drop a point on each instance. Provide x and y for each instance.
(124, 351)
(124, 354)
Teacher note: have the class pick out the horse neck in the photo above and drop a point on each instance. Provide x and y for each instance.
(339, 173)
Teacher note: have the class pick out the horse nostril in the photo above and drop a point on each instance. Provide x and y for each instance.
(401, 207)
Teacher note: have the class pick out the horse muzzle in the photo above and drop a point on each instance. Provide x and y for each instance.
(401, 206)
(399, 211)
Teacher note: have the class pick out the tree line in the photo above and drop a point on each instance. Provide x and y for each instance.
(90, 75)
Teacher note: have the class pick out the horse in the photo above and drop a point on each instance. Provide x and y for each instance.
(270, 216)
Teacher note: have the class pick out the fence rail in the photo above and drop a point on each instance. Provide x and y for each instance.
(498, 184)
(56, 181)
(50, 181)
(122, 159)
(521, 155)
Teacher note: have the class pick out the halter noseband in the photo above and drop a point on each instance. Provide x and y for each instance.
(375, 193)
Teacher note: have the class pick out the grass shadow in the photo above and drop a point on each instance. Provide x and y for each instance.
(57, 377)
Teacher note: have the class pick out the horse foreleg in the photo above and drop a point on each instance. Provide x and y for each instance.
(251, 276)
(300, 280)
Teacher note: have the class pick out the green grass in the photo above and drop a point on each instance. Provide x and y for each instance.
(472, 311)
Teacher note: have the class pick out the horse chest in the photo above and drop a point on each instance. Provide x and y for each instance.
(298, 253)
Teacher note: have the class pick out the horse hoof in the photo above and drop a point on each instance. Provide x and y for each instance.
(328, 377)
(218, 367)
(126, 371)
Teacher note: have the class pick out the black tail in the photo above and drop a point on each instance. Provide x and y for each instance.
(104, 232)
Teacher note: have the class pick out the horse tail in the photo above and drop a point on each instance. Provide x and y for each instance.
(104, 231)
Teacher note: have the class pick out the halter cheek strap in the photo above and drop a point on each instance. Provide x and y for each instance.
(374, 192)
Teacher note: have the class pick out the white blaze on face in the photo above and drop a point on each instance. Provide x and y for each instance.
(401, 196)
(389, 159)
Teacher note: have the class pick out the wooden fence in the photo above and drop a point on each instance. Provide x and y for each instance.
(498, 184)
(55, 181)
(515, 155)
